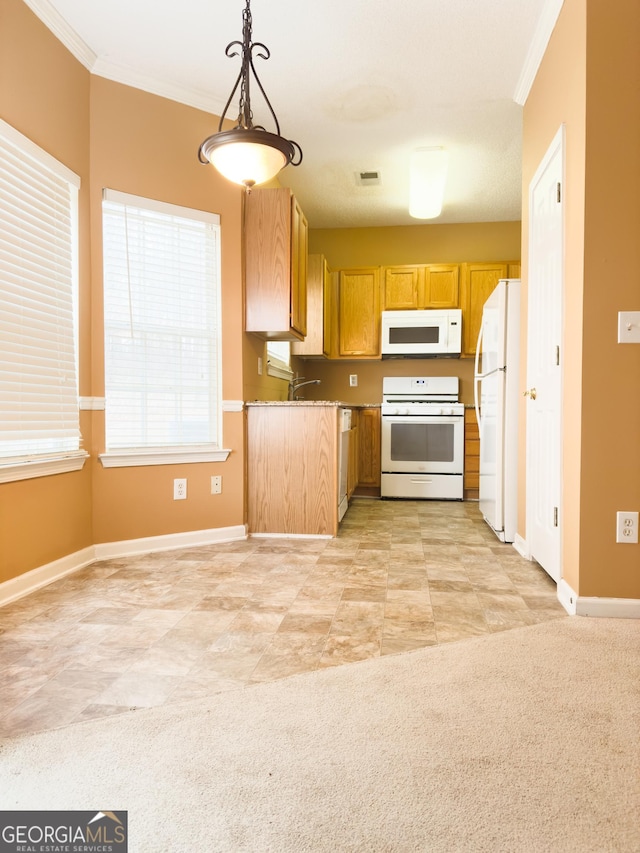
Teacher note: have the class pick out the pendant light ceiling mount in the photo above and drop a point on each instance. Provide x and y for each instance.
(248, 154)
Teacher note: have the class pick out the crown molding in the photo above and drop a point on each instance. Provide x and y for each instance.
(546, 23)
(52, 19)
(198, 99)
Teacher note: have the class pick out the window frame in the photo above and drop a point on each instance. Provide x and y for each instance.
(47, 463)
(276, 366)
(178, 453)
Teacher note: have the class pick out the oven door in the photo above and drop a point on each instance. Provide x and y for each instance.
(422, 444)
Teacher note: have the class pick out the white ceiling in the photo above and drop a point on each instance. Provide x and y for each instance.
(358, 84)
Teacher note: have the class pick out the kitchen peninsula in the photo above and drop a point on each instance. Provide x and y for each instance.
(296, 453)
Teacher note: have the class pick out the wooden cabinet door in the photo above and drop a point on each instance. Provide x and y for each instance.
(442, 286)
(478, 282)
(318, 295)
(359, 313)
(369, 447)
(299, 261)
(402, 287)
(275, 265)
(514, 269)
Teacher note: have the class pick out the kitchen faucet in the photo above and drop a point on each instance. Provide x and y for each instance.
(298, 383)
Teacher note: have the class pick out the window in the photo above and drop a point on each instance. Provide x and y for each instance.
(161, 330)
(279, 359)
(39, 412)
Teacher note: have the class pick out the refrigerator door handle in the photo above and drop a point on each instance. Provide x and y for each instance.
(476, 375)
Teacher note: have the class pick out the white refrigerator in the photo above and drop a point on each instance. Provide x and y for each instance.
(496, 384)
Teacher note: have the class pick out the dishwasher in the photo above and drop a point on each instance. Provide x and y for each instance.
(344, 427)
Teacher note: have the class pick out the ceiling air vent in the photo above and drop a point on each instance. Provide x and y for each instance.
(368, 179)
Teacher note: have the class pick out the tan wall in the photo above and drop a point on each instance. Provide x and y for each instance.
(147, 146)
(610, 371)
(417, 244)
(334, 377)
(587, 80)
(44, 93)
(118, 137)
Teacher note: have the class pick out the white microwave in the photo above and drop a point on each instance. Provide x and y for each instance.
(429, 333)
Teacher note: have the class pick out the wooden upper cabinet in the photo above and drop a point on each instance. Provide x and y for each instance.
(299, 266)
(402, 287)
(478, 282)
(421, 286)
(319, 310)
(275, 234)
(514, 268)
(442, 286)
(359, 313)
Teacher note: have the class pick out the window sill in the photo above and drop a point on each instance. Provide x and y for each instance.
(45, 467)
(161, 456)
(281, 372)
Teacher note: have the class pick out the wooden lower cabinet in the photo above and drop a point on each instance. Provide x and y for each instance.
(292, 469)
(368, 451)
(471, 455)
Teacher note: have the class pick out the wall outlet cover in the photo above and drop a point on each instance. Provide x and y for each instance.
(627, 527)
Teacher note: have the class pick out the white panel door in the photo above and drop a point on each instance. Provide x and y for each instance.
(544, 372)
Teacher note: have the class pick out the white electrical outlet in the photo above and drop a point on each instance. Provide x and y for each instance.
(627, 527)
(216, 485)
(353, 380)
(259, 365)
(180, 489)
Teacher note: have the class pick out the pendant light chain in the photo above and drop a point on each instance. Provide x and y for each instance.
(248, 154)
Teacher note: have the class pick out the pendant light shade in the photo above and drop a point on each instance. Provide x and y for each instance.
(248, 154)
(428, 176)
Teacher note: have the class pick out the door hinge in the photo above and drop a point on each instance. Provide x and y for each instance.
(555, 516)
(558, 192)
(557, 355)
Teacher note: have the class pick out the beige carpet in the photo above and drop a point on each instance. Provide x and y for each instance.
(528, 740)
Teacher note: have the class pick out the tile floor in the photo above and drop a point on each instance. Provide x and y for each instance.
(166, 627)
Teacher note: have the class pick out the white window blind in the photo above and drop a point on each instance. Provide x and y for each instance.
(161, 316)
(39, 413)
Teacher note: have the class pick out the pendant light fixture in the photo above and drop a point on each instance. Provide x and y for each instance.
(248, 154)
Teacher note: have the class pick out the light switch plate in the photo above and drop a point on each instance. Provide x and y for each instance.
(629, 327)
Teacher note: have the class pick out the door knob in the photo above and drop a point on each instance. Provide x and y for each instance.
(530, 393)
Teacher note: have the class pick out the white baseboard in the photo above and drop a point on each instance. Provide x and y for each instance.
(582, 605)
(35, 579)
(567, 597)
(291, 536)
(522, 547)
(31, 581)
(190, 539)
(617, 608)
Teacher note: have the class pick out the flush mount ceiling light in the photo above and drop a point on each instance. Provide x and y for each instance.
(248, 154)
(428, 175)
